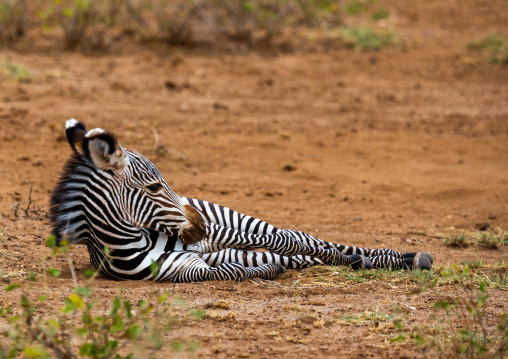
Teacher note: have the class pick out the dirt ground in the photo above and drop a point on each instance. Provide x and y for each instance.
(377, 149)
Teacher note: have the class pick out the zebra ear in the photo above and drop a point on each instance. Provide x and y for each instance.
(104, 151)
(75, 131)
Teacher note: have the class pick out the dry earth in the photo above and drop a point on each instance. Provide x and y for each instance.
(386, 149)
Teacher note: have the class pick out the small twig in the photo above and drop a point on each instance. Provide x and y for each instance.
(502, 200)
(31, 203)
(156, 138)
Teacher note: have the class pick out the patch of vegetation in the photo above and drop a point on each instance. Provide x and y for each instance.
(12, 21)
(357, 7)
(495, 45)
(82, 330)
(318, 13)
(94, 25)
(367, 317)
(365, 38)
(458, 240)
(463, 331)
(83, 22)
(488, 239)
(15, 71)
(380, 14)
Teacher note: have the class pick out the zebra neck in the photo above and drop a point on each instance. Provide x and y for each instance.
(86, 207)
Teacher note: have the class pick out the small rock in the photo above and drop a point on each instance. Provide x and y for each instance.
(492, 216)
(358, 219)
(170, 85)
(482, 226)
(219, 106)
(288, 166)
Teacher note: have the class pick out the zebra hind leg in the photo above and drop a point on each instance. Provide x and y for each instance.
(417, 261)
(256, 259)
(228, 271)
(387, 257)
(288, 242)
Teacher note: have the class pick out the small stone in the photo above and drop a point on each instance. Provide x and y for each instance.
(492, 216)
(482, 226)
(358, 219)
(219, 106)
(170, 85)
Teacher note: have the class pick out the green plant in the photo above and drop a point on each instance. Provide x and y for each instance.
(464, 330)
(365, 38)
(319, 13)
(495, 45)
(242, 20)
(15, 71)
(458, 240)
(490, 240)
(165, 21)
(367, 316)
(380, 14)
(12, 20)
(81, 329)
(355, 7)
(83, 22)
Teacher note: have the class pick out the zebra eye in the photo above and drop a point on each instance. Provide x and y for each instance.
(154, 187)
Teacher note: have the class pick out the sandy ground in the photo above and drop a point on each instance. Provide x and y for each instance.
(386, 149)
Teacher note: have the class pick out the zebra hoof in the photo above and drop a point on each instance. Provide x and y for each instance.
(359, 262)
(422, 262)
(419, 254)
(427, 255)
(278, 268)
(417, 262)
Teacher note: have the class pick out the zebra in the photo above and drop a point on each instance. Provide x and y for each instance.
(116, 202)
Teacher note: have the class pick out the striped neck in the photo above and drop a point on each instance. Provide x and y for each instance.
(86, 208)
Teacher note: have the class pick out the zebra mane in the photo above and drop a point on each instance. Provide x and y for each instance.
(59, 197)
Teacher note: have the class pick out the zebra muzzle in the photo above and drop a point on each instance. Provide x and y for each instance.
(196, 228)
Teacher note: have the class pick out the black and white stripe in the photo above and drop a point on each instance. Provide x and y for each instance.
(117, 203)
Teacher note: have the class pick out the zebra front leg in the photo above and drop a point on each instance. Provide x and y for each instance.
(255, 259)
(282, 242)
(192, 268)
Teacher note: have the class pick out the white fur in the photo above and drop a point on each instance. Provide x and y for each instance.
(71, 123)
(95, 131)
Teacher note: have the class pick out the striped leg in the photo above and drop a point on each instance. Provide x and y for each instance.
(192, 268)
(282, 242)
(384, 258)
(255, 259)
(226, 217)
(214, 213)
(418, 261)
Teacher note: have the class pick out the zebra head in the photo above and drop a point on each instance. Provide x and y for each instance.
(125, 184)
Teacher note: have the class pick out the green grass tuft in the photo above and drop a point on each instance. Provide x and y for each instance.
(15, 71)
(365, 38)
(490, 240)
(495, 45)
(459, 240)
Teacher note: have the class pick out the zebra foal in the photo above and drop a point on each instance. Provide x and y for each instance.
(117, 203)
